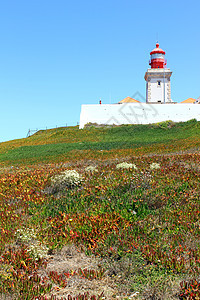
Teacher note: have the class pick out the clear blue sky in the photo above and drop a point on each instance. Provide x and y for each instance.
(57, 55)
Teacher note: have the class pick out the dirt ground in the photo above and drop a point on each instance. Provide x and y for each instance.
(70, 258)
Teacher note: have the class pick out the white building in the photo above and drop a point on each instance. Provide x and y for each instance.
(137, 113)
(158, 88)
(158, 107)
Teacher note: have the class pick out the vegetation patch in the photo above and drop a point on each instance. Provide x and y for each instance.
(110, 226)
(71, 143)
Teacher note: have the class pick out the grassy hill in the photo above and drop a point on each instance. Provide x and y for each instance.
(65, 143)
(101, 213)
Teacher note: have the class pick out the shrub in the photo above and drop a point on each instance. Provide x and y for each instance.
(67, 179)
(91, 169)
(37, 250)
(165, 124)
(27, 236)
(154, 166)
(126, 165)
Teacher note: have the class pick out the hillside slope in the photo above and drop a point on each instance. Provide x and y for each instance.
(62, 143)
(116, 218)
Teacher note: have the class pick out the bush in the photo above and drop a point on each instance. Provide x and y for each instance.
(67, 179)
(91, 169)
(126, 165)
(165, 124)
(27, 237)
(154, 166)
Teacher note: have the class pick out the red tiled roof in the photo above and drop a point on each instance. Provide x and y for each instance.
(189, 100)
(129, 100)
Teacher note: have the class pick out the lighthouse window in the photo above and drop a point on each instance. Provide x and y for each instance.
(157, 55)
(159, 83)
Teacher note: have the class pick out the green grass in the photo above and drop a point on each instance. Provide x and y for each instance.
(62, 142)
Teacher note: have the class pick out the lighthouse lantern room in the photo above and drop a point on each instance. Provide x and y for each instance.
(158, 89)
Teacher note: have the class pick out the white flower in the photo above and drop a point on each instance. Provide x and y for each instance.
(126, 165)
(67, 178)
(154, 166)
(91, 169)
(38, 250)
(25, 235)
(28, 237)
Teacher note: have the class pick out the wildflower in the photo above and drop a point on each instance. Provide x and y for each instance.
(38, 250)
(28, 237)
(68, 178)
(91, 169)
(25, 235)
(154, 166)
(126, 165)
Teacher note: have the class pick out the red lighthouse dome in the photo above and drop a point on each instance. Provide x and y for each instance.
(157, 58)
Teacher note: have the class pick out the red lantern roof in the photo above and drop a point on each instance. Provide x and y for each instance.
(157, 50)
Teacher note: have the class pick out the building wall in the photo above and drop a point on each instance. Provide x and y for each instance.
(137, 113)
(156, 92)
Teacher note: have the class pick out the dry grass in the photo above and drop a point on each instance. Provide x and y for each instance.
(70, 258)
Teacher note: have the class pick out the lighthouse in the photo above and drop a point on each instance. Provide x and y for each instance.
(158, 88)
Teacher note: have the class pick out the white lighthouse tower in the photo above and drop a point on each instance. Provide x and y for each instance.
(158, 89)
